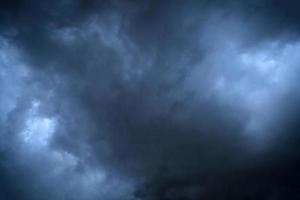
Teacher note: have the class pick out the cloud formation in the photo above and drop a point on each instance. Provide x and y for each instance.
(149, 100)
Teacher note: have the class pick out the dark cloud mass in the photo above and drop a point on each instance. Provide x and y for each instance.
(149, 100)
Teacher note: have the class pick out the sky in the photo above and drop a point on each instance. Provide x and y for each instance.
(149, 100)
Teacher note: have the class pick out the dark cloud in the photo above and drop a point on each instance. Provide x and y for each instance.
(149, 100)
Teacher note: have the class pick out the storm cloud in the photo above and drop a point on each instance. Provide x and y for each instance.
(149, 100)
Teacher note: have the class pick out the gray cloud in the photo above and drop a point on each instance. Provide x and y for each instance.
(149, 100)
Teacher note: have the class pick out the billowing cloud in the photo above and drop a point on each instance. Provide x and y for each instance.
(149, 100)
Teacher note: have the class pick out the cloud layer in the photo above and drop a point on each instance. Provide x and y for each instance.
(149, 100)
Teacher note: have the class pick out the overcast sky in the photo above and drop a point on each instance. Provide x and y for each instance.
(149, 100)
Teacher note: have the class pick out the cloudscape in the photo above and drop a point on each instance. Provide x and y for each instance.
(149, 100)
